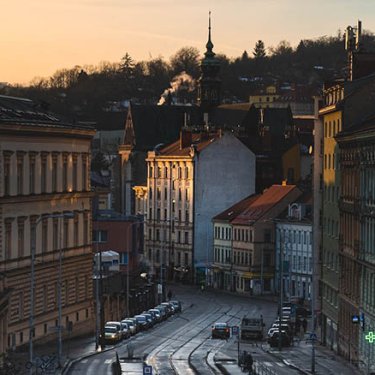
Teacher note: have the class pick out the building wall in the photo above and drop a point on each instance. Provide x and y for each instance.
(222, 255)
(294, 242)
(224, 174)
(169, 228)
(46, 173)
(358, 255)
(332, 124)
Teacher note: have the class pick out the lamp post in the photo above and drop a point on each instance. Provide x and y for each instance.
(66, 214)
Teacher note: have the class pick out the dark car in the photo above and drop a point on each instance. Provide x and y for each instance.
(220, 330)
(143, 322)
(177, 305)
(274, 339)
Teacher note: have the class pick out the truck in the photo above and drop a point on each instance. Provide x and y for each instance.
(252, 328)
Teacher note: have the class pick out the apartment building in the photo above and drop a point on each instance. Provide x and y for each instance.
(45, 224)
(189, 182)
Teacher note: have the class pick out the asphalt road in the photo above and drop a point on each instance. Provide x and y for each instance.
(183, 344)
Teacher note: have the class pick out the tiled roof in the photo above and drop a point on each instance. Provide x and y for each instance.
(232, 212)
(200, 140)
(263, 204)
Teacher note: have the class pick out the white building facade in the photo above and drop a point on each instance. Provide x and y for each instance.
(294, 256)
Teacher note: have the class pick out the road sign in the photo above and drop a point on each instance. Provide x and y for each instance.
(160, 289)
(313, 336)
(147, 370)
(235, 330)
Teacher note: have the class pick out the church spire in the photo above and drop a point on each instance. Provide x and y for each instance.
(209, 45)
(209, 81)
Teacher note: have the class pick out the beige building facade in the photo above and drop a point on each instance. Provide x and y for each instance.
(45, 225)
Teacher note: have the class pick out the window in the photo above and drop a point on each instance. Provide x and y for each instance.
(66, 233)
(32, 174)
(186, 237)
(43, 176)
(45, 236)
(157, 234)
(187, 216)
(55, 234)
(85, 228)
(100, 236)
(158, 193)
(75, 173)
(8, 238)
(84, 172)
(186, 259)
(267, 235)
(21, 237)
(54, 173)
(65, 173)
(150, 172)
(20, 172)
(76, 230)
(7, 156)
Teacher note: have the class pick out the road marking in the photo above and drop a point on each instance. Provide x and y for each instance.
(268, 364)
(108, 361)
(85, 360)
(280, 364)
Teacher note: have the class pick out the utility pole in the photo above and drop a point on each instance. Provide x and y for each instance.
(281, 288)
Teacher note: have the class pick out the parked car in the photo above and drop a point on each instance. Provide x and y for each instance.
(135, 322)
(156, 314)
(125, 330)
(163, 311)
(132, 327)
(149, 318)
(112, 334)
(169, 307)
(142, 320)
(117, 324)
(220, 330)
(177, 305)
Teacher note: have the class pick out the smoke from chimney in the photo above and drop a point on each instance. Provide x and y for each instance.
(182, 81)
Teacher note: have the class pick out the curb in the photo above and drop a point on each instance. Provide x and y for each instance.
(71, 362)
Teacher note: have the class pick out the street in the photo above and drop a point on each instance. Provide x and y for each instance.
(183, 344)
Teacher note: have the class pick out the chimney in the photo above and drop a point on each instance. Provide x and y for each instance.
(186, 138)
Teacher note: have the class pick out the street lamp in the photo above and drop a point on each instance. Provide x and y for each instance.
(65, 214)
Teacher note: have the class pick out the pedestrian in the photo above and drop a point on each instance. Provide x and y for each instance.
(304, 325)
(169, 295)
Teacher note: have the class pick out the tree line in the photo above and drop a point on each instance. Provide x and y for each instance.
(82, 90)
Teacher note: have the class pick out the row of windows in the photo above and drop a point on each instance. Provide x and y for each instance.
(330, 162)
(223, 233)
(331, 227)
(331, 193)
(165, 197)
(331, 260)
(368, 235)
(331, 128)
(330, 295)
(165, 172)
(181, 259)
(165, 216)
(44, 172)
(182, 237)
(290, 237)
(368, 288)
(55, 233)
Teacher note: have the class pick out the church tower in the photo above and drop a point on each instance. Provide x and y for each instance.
(209, 81)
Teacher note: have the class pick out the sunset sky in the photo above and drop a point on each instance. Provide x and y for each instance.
(38, 37)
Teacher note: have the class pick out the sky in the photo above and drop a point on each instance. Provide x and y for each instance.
(39, 37)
